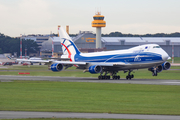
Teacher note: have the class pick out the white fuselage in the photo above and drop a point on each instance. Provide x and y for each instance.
(143, 56)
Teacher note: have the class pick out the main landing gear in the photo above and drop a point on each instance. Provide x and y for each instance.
(105, 76)
(114, 75)
(129, 76)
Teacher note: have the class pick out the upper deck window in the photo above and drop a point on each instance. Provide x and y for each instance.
(156, 47)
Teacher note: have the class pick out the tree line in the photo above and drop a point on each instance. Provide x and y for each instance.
(12, 45)
(119, 34)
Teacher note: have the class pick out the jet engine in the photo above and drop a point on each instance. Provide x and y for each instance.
(95, 69)
(159, 68)
(56, 67)
(166, 65)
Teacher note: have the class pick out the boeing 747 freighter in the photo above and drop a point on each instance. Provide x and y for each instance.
(108, 63)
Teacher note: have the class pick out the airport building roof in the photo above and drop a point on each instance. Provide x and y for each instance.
(142, 39)
(134, 40)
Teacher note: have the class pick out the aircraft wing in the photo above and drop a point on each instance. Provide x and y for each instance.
(48, 61)
(92, 63)
(104, 64)
(121, 64)
(72, 63)
(27, 60)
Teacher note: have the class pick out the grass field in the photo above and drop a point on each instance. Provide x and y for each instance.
(89, 97)
(72, 72)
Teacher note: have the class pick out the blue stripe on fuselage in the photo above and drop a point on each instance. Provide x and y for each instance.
(130, 57)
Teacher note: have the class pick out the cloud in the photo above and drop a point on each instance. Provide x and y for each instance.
(25, 15)
(33, 12)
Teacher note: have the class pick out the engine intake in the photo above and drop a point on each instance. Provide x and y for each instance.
(166, 65)
(56, 67)
(95, 69)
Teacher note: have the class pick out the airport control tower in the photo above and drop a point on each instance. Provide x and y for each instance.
(98, 23)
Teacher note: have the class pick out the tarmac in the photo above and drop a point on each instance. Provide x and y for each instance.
(21, 114)
(9, 78)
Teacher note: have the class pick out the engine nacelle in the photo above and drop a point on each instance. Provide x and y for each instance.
(166, 65)
(56, 67)
(158, 69)
(95, 69)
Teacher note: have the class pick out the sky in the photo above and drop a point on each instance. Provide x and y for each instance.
(126, 16)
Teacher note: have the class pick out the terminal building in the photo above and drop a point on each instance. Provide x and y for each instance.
(38, 38)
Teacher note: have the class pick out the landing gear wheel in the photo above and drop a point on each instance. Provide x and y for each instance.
(129, 76)
(103, 77)
(116, 77)
(132, 76)
(107, 77)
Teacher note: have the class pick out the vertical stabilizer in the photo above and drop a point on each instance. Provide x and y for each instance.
(68, 46)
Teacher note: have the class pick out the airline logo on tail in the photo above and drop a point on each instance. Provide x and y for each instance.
(68, 46)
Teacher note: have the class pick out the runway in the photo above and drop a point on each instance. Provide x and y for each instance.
(8, 78)
(20, 114)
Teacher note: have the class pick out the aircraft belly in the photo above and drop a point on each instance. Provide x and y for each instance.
(133, 66)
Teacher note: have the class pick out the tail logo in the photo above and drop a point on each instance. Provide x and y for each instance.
(68, 45)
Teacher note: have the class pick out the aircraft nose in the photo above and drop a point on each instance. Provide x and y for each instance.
(165, 56)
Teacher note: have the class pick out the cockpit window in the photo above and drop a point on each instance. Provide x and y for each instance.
(156, 47)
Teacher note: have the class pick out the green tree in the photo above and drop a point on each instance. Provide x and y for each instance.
(30, 45)
(11, 45)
